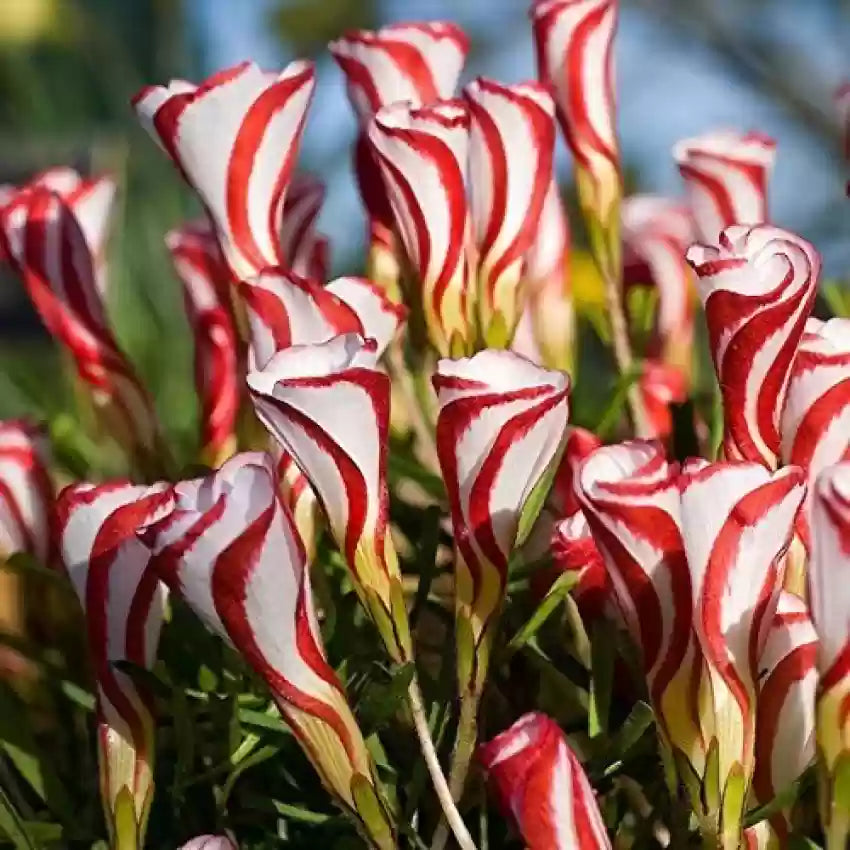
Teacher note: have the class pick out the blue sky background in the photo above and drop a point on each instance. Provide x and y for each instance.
(669, 88)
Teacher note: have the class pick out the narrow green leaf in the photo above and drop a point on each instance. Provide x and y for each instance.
(263, 754)
(545, 609)
(426, 559)
(12, 824)
(785, 798)
(602, 652)
(537, 498)
(640, 718)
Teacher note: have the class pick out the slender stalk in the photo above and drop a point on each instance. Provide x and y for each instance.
(432, 761)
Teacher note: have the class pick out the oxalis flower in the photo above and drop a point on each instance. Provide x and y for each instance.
(255, 119)
(574, 40)
(758, 285)
(123, 603)
(229, 548)
(695, 560)
(424, 154)
(501, 427)
(47, 246)
(305, 250)
(298, 395)
(726, 176)
(830, 604)
(540, 784)
(416, 62)
(206, 295)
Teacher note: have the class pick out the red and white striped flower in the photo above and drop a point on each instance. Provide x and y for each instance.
(726, 176)
(422, 153)
(737, 521)
(630, 497)
(123, 603)
(829, 597)
(540, 784)
(815, 423)
(785, 722)
(548, 291)
(574, 40)
(300, 243)
(511, 143)
(417, 62)
(656, 235)
(661, 385)
(298, 396)
(842, 102)
(229, 548)
(500, 428)
(235, 138)
(206, 283)
(49, 250)
(758, 286)
(26, 494)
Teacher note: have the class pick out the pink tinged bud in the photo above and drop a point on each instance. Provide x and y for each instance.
(229, 548)
(540, 784)
(630, 496)
(737, 523)
(656, 235)
(726, 176)
(785, 723)
(206, 295)
(549, 303)
(422, 153)
(235, 138)
(815, 424)
(829, 594)
(500, 429)
(298, 396)
(300, 243)
(758, 286)
(580, 443)
(511, 142)
(123, 603)
(209, 842)
(660, 387)
(574, 40)
(48, 248)
(26, 494)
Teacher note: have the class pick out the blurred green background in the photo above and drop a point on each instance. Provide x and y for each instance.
(69, 67)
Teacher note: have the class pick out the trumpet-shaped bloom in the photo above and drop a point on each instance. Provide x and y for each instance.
(229, 548)
(758, 286)
(656, 235)
(123, 603)
(298, 396)
(540, 784)
(206, 295)
(235, 138)
(48, 248)
(726, 176)
(422, 154)
(501, 427)
(575, 56)
(511, 143)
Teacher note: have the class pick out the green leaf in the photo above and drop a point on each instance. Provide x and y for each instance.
(545, 609)
(604, 429)
(602, 652)
(402, 465)
(783, 800)
(537, 498)
(640, 718)
(12, 824)
(263, 754)
(837, 297)
(426, 558)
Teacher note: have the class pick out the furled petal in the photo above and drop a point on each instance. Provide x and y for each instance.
(726, 175)
(580, 443)
(206, 295)
(123, 603)
(785, 723)
(737, 522)
(574, 40)
(500, 428)
(630, 496)
(815, 424)
(548, 286)
(758, 286)
(829, 591)
(380, 318)
(26, 493)
(230, 550)
(48, 249)
(298, 238)
(511, 142)
(540, 784)
(656, 236)
(422, 153)
(661, 386)
(299, 396)
(235, 138)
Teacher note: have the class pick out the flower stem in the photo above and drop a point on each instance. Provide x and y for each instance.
(432, 761)
(464, 747)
